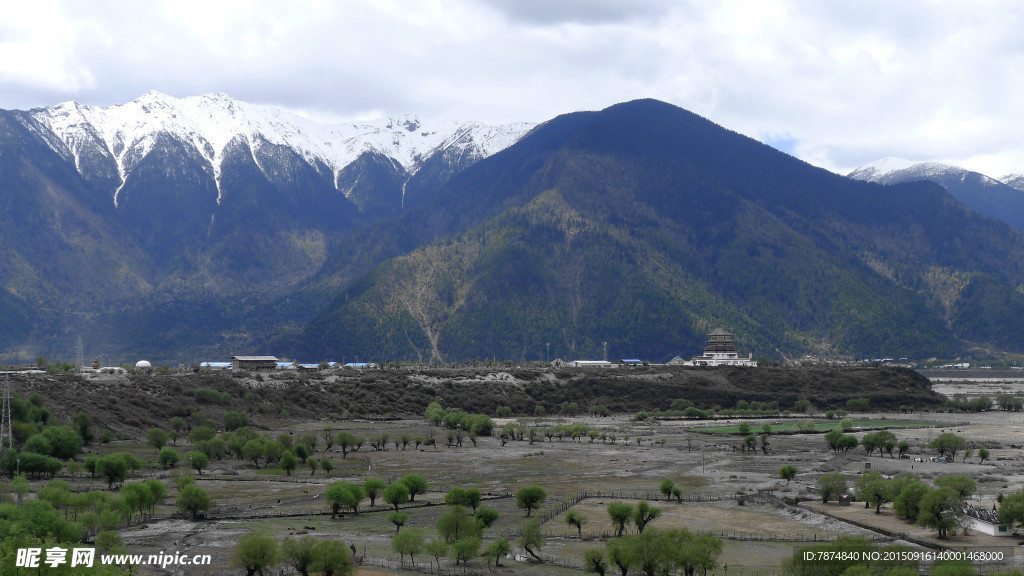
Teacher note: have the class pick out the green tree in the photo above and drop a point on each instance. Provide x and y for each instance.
(395, 494)
(666, 488)
(907, 502)
(438, 549)
(65, 443)
(157, 490)
(313, 464)
(255, 553)
(690, 553)
(947, 443)
(646, 551)
(983, 455)
(168, 457)
(577, 519)
(831, 486)
(456, 523)
(137, 497)
(157, 438)
(201, 433)
(398, 519)
(20, 487)
(348, 442)
(344, 494)
(334, 558)
(485, 517)
(903, 447)
(1011, 509)
(327, 465)
(198, 460)
(787, 472)
(468, 497)
(288, 462)
(964, 486)
(193, 499)
(233, 420)
(373, 487)
(530, 498)
(858, 404)
(530, 537)
(594, 562)
(82, 423)
(465, 549)
(409, 542)
(644, 514)
(873, 490)
(416, 484)
(496, 550)
(178, 425)
(940, 509)
(113, 468)
(299, 553)
(255, 450)
(620, 555)
(620, 513)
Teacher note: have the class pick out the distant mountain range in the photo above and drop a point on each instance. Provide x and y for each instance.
(198, 228)
(1002, 199)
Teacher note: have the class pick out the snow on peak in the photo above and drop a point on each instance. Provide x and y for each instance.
(1014, 181)
(881, 168)
(888, 170)
(128, 132)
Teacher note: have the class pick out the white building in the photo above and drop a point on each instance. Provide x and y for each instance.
(986, 521)
(592, 364)
(721, 351)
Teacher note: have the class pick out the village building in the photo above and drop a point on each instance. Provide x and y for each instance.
(721, 350)
(253, 362)
(986, 521)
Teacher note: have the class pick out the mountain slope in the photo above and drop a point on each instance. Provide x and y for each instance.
(985, 195)
(643, 226)
(165, 212)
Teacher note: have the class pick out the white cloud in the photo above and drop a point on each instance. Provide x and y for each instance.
(837, 83)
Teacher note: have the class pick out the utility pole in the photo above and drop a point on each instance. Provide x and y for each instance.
(605, 344)
(547, 355)
(6, 437)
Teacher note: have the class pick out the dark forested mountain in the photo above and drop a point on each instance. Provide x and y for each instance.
(1002, 200)
(643, 226)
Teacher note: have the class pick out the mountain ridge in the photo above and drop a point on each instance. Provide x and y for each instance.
(1002, 199)
(690, 226)
(211, 122)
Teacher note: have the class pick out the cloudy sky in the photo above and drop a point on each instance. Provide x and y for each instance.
(835, 83)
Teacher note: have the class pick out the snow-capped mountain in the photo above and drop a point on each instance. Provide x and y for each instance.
(1014, 181)
(126, 134)
(167, 208)
(985, 195)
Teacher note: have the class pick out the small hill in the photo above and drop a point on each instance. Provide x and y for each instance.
(130, 405)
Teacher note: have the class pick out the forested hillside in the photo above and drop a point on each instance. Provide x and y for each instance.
(645, 226)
